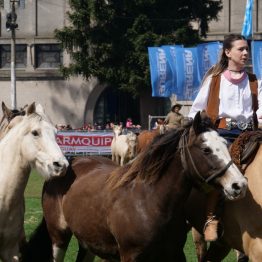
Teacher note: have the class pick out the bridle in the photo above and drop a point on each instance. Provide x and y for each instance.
(191, 169)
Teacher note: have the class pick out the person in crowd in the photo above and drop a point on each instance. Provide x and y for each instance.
(174, 118)
(108, 125)
(233, 100)
(88, 127)
(129, 123)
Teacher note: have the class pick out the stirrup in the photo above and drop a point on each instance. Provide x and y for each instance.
(210, 229)
(210, 219)
(219, 230)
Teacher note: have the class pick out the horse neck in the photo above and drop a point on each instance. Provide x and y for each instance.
(174, 186)
(14, 170)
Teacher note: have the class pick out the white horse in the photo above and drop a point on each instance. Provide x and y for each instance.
(123, 147)
(30, 143)
(117, 130)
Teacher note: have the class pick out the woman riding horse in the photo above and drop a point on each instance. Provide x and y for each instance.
(231, 98)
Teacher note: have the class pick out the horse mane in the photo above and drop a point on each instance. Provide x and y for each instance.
(150, 164)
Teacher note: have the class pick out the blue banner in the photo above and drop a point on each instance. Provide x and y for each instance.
(247, 25)
(160, 72)
(208, 55)
(257, 58)
(170, 51)
(188, 79)
(178, 70)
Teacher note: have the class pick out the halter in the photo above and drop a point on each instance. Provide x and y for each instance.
(204, 183)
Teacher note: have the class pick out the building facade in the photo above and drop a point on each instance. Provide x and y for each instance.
(76, 101)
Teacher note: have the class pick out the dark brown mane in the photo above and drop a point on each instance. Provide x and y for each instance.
(151, 163)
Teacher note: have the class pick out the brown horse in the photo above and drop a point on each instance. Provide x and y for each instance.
(135, 212)
(241, 219)
(146, 136)
(10, 118)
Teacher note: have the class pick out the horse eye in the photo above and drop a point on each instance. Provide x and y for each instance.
(35, 133)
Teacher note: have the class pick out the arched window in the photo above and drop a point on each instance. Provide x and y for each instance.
(116, 106)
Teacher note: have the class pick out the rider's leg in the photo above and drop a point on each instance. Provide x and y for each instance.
(211, 225)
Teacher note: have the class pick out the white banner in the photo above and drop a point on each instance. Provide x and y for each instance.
(85, 143)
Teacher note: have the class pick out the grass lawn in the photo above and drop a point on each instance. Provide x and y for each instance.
(34, 214)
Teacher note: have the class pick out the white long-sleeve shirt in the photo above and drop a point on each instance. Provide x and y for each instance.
(235, 99)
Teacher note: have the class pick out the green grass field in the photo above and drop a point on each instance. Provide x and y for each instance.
(34, 214)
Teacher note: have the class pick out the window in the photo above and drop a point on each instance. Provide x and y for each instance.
(48, 56)
(116, 106)
(5, 56)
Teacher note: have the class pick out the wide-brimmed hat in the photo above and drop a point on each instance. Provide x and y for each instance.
(176, 105)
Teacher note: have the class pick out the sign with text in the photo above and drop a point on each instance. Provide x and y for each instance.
(257, 58)
(86, 143)
(160, 72)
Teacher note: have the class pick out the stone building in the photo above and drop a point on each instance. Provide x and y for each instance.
(76, 101)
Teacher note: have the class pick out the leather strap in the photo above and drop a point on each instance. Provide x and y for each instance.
(253, 87)
(213, 100)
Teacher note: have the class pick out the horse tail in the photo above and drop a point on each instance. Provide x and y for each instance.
(39, 246)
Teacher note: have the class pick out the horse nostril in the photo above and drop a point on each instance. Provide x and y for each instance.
(58, 164)
(235, 186)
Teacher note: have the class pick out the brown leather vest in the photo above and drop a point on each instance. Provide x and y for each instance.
(213, 100)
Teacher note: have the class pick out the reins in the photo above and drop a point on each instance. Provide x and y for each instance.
(220, 173)
(187, 160)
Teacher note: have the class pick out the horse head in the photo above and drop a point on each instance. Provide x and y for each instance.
(117, 130)
(214, 156)
(35, 138)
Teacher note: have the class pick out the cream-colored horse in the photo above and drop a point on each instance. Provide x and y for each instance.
(30, 143)
(117, 130)
(123, 147)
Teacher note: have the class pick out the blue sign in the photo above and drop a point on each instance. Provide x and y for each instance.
(208, 55)
(160, 72)
(170, 51)
(257, 58)
(178, 70)
(188, 79)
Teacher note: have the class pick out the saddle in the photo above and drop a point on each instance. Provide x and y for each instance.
(245, 147)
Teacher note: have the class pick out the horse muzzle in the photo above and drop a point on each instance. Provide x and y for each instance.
(237, 190)
(58, 168)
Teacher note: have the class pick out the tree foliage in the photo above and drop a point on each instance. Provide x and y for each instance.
(108, 39)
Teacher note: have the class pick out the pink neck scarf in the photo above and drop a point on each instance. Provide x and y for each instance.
(227, 75)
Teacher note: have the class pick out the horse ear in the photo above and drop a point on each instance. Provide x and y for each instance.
(31, 109)
(40, 109)
(202, 122)
(6, 111)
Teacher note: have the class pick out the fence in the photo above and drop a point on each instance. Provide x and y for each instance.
(151, 123)
(85, 143)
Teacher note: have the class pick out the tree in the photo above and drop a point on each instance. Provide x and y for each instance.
(108, 39)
